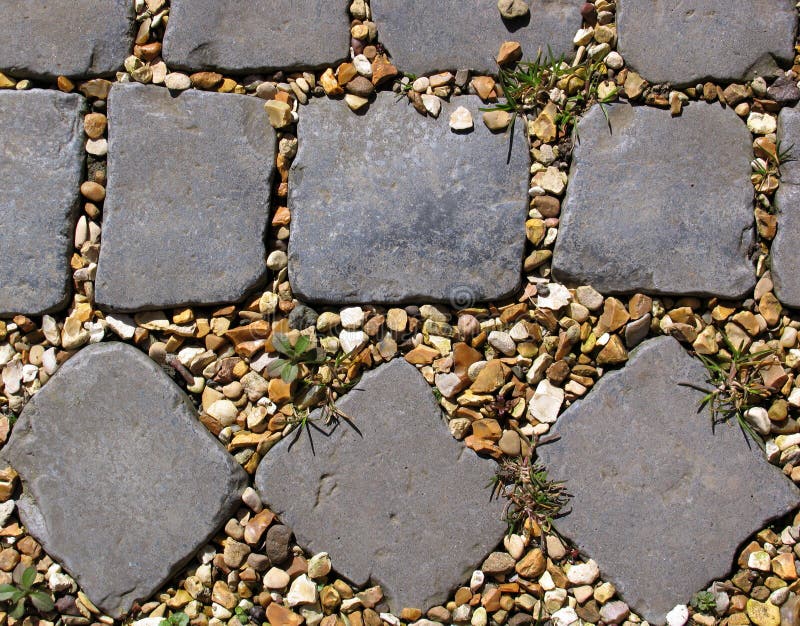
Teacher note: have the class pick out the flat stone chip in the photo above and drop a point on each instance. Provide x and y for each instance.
(659, 204)
(660, 501)
(443, 35)
(122, 484)
(394, 207)
(785, 266)
(240, 36)
(392, 496)
(75, 38)
(188, 198)
(684, 42)
(41, 162)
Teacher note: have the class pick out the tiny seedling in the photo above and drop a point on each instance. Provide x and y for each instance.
(176, 619)
(704, 601)
(531, 494)
(17, 596)
(735, 386)
(301, 353)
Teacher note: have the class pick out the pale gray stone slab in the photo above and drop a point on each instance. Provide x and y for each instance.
(659, 204)
(395, 207)
(786, 246)
(188, 198)
(41, 163)
(684, 42)
(398, 501)
(660, 499)
(442, 35)
(122, 484)
(241, 36)
(75, 38)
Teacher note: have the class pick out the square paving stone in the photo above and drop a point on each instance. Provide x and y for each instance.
(76, 38)
(188, 198)
(395, 207)
(660, 499)
(122, 484)
(255, 36)
(659, 204)
(439, 35)
(41, 162)
(392, 497)
(684, 42)
(785, 247)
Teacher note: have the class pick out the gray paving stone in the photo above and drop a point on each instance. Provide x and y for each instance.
(41, 161)
(395, 207)
(188, 198)
(76, 38)
(400, 502)
(659, 500)
(785, 261)
(686, 41)
(659, 204)
(466, 34)
(254, 36)
(122, 484)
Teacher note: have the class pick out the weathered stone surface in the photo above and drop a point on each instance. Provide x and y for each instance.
(653, 487)
(76, 38)
(394, 207)
(687, 41)
(188, 198)
(122, 482)
(454, 34)
(41, 161)
(785, 247)
(398, 502)
(252, 36)
(658, 204)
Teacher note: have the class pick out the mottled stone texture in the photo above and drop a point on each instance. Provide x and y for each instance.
(659, 204)
(76, 38)
(41, 161)
(466, 34)
(254, 36)
(686, 41)
(122, 484)
(654, 487)
(391, 496)
(786, 246)
(394, 207)
(188, 198)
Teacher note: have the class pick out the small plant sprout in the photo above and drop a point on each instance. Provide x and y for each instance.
(735, 386)
(704, 602)
(531, 495)
(176, 619)
(301, 353)
(17, 596)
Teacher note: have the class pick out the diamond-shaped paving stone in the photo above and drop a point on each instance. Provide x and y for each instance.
(76, 38)
(395, 207)
(41, 162)
(686, 41)
(400, 502)
(659, 500)
(253, 36)
(659, 204)
(466, 34)
(785, 265)
(122, 482)
(188, 198)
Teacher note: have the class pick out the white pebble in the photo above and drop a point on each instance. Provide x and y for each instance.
(678, 616)
(461, 119)
(583, 573)
(352, 318)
